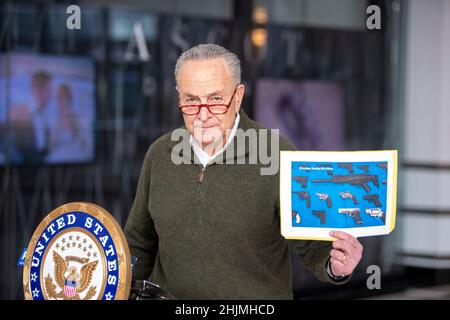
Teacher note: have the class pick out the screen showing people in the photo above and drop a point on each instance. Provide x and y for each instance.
(47, 109)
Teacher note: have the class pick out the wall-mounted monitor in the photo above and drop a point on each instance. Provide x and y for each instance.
(47, 109)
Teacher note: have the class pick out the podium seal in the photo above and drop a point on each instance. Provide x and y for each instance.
(78, 252)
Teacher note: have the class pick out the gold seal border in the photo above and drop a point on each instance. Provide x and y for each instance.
(115, 231)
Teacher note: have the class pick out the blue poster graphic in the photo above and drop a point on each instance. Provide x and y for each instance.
(339, 194)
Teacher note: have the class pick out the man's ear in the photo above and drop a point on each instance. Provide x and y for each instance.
(239, 96)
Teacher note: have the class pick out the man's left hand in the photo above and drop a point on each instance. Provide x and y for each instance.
(346, 253)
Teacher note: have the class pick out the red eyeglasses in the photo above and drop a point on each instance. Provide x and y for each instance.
(219, 108)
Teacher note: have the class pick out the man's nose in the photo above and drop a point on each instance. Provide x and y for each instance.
(203, 114)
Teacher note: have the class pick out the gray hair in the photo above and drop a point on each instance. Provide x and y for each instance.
(211, 51)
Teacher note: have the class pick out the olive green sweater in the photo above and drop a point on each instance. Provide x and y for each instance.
(216, 236)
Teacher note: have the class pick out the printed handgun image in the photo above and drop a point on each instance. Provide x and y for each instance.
(324, 191)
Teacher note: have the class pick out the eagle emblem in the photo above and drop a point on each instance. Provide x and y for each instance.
(78, 252)
(70, 282)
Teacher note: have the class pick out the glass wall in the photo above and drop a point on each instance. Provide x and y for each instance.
(117, 71)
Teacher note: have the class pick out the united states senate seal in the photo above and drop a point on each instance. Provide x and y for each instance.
(78, 252)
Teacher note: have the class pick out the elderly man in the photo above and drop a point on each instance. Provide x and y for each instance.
(208, 229)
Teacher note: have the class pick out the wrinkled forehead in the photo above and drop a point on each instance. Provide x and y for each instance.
(204, 76)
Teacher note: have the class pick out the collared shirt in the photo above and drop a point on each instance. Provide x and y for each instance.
(204, 158)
